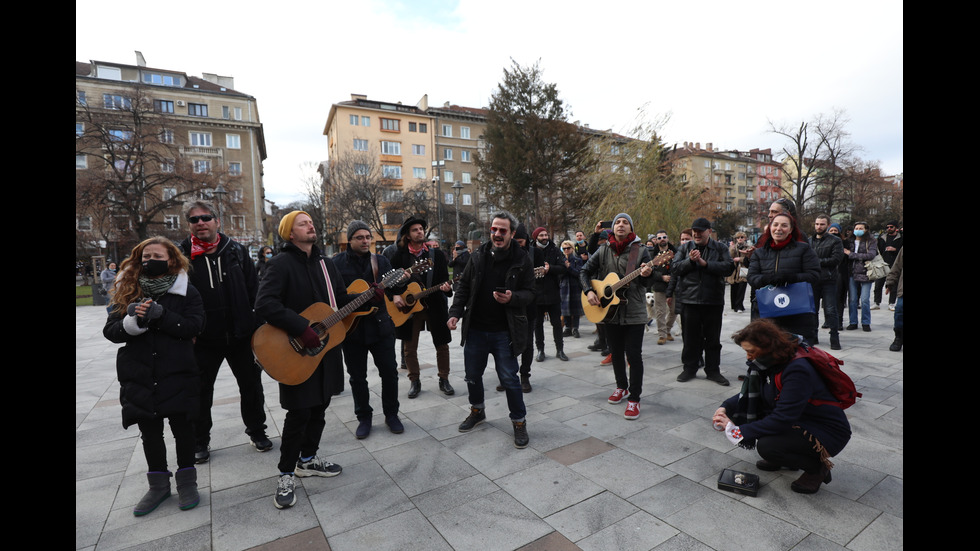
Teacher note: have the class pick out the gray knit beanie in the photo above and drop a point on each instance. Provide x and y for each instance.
(354, 226)
(626, 216)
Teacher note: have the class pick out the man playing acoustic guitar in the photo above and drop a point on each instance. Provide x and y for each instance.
(294, 280)
(621, 255)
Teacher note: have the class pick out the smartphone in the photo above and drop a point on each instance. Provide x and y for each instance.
(605, 224)
(501, 289)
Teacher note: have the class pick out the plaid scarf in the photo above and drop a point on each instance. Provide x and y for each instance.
(156, 287)
(749, 398)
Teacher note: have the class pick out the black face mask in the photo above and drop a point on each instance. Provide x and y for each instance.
(156, 268)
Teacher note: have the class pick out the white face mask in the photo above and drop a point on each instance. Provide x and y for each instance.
(859, 233)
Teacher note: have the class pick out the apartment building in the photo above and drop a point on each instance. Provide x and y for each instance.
(175, 137)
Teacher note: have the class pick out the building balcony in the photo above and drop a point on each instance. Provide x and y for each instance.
(201, 151)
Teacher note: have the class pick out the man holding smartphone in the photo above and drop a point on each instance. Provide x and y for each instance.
(496, 287)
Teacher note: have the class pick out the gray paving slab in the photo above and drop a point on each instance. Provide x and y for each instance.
(590, 479)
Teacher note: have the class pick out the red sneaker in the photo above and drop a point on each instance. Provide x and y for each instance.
(632, 410)
(607, 360)
(618, 396)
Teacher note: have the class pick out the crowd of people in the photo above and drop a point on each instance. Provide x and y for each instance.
(181, 311)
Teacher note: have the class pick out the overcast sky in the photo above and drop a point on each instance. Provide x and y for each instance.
(719, 70)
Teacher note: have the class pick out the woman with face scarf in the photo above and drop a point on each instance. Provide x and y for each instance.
(858, 250)
(797, 424)
(155, 313)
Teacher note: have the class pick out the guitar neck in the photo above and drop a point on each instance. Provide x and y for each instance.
(626, 280)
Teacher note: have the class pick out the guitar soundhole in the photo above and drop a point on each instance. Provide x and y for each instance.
(607, 292)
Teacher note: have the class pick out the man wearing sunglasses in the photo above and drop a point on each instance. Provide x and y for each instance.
(225, 275)
(491, 301)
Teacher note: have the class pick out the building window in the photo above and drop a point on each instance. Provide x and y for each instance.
(202, 167)
(365, 121)
(167, 166)
(235, 169)
(447, 130)
(238, 113)
(418, 149)
(464, 132)
(111, 101)
(237, 196)
(360, 145)
(391, 172)
(81, 161)
(447, 154)
(163, 106)
(166, 136)
(447, 176)
(79, 129)
(465, 178)
(201, 139)
(120, 136)
(354, 120)
(418, 172)
(413, 127)
(80, 97)
(464, 156)
(197, 109)
(122, 167)
(361, 169)
(169, 193)
(467, 199)
(391, 148)
(165, 80)
(614, 150)
(171, 221)
(83, 223)
(423, 128)
(225, 112)
(391, 195)
(448, 198)
(238, 223)
(233, 141)
(390, 125)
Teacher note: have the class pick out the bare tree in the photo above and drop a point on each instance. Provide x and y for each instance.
(135, 169)
(359, 189)
(814, 162)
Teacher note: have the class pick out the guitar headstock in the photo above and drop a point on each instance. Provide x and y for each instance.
(399, 275)
(419, 267)
(539, 272)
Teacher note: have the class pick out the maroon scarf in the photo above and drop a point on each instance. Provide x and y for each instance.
(620, 247)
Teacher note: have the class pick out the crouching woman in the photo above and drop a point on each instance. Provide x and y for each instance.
(797, 424)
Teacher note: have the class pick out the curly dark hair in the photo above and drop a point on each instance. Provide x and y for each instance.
(770, 339)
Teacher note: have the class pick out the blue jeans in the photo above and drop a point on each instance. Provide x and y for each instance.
(899, 315)
(860, 289)
(479, 346)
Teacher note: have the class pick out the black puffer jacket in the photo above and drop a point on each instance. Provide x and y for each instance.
(157, 373)
(793, 263)
(830, 252)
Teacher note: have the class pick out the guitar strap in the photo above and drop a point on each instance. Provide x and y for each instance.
(634, 255)
(428, 276)
(326, 278)
(374, 266)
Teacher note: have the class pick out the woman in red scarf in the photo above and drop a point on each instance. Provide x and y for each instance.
(782, 257)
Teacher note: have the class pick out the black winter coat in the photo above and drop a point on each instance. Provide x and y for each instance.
(370, 328)
(437, 304)
(691, 283)
(227, 282)
(547, 286)
(830, 252)
(294, 281)
(157, 373)
(519, 280)
(793, 263)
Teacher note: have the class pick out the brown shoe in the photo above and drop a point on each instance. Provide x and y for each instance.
(662, 340)
(670, 337)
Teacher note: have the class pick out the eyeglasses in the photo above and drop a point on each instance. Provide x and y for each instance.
(202, 218)
(660, 237)
(501, 231)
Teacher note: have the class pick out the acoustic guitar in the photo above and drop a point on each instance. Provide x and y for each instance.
(608, 289)
(285, 358)
(412, 296)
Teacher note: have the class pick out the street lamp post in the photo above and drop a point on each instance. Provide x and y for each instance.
(438, 166)
(457, 187)
(219, 192)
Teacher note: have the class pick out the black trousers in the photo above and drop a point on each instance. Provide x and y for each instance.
(383, 352)
(790, 449)
(301, 434)
(627, 340)
(554, 316)
(154, 448)
(701, 330)
(209, 356)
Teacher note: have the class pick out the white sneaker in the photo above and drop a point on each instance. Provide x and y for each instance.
(891, 307)
(876, 306)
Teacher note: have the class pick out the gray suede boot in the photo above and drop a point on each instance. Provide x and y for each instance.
(187, 496)
(159, 491)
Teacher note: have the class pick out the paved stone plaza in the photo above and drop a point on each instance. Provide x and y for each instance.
(589, 480)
